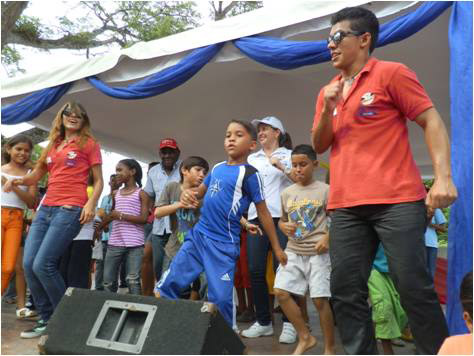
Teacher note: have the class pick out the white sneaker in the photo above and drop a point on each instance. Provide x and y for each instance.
(288, 334)
(257, 330)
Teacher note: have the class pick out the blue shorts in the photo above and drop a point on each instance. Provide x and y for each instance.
(200, 253)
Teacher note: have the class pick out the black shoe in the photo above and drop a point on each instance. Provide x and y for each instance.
(246, 317)
(35, 331)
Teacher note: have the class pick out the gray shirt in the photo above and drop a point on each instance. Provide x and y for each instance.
(156, 182)
(181, 221)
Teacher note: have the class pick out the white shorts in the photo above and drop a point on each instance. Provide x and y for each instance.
(303, 271)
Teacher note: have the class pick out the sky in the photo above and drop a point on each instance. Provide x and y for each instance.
(35, 60)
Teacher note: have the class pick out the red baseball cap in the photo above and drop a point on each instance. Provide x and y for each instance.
(169, 142)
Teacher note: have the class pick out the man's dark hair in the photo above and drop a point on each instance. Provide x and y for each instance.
(466, 293)
(248, 127)
(191, 162)
(361, 19)
(305, 150)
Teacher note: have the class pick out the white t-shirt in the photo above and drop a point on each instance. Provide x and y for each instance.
(11, 199)
(274, 180)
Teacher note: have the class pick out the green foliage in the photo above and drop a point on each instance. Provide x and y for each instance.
(29, 26)
(10, 55)
(81, 39)
(148, 20)
(245, 6)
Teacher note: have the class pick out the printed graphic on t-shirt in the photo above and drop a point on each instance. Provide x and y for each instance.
(186, 219)
(215, 187)
(303, 213)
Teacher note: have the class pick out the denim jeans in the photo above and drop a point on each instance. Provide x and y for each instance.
(431, 256)
(113, 259)
(257, 251)
(51, 232)
(355, 234)
(158, 243)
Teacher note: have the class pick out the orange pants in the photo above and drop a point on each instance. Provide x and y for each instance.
(12, 228)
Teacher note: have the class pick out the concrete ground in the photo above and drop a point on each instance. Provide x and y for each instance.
(12, 344)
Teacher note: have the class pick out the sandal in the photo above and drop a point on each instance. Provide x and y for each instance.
(24, 313)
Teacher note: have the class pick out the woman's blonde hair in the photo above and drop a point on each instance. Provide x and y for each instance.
(58, 131)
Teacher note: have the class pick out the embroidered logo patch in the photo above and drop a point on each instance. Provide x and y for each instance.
(71, 159)
(368, 98)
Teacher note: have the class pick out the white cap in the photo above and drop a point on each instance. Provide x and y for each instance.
(270, 120)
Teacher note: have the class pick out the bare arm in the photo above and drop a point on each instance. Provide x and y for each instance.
(29, 197)
(190, 197)
(31, 178)
(443, 192)
(439, 227)
(88, 212)
(35, 175)
(135, 219)
(166, 210)
(322, 135)
(267, 223)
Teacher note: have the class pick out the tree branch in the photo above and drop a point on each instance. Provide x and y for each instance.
(11, 12)
(68, 42)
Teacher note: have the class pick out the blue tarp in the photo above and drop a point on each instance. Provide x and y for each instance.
(460, 224)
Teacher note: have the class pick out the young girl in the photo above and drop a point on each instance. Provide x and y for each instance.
(17, 158)
(71, 153)
(128, 236)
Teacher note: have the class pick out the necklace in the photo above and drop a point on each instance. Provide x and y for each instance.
(349, 81)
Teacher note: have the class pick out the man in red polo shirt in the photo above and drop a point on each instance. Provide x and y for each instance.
(376, 192)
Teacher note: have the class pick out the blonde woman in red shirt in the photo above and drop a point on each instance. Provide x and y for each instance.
(71, 153)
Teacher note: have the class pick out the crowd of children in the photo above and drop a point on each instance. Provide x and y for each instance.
(205, 209)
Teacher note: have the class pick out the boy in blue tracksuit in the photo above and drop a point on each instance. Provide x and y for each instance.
(212, 245)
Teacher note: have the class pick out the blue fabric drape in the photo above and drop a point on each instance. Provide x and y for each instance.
(164, 80)
(460, 226)
(28, 108)
(283, 54)
(269, 51)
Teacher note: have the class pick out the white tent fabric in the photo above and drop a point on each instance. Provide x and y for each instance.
(232, 86)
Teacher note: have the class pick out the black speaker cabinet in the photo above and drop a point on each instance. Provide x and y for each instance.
(102, 323)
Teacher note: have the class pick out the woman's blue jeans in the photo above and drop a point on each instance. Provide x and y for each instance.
(51, 232)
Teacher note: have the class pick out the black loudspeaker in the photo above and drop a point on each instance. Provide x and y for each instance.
(102, 323)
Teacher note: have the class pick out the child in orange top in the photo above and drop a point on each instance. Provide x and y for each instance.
(17, 161)
(461, 344)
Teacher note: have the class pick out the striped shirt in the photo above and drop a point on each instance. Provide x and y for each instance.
(125, 233)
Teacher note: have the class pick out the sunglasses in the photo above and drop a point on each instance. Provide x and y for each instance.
(340, 35)
(69, 113)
